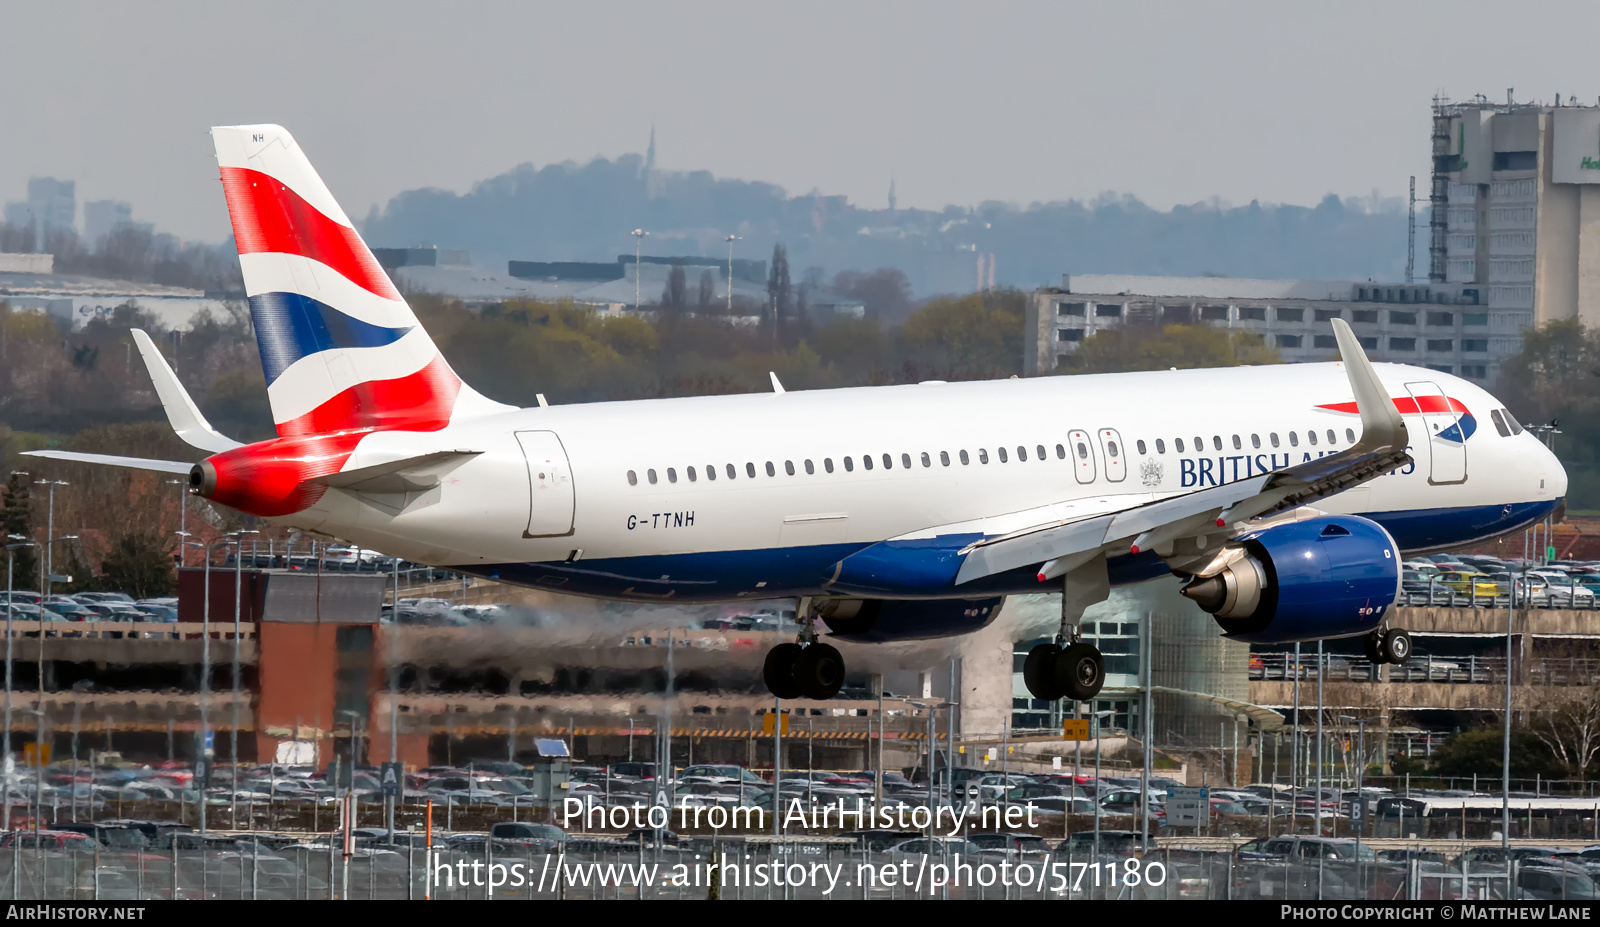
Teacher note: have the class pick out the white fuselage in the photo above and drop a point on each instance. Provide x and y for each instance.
(656, 498)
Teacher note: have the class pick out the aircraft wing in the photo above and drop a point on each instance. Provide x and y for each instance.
(1180, 528)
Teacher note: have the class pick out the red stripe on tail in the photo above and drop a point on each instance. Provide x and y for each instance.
(269, 217)
(420, 401)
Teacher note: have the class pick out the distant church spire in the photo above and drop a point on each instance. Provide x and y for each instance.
(891, 194)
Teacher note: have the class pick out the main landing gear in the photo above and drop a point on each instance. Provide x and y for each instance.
(1068, 667)
(806, 668)
(1388, 646)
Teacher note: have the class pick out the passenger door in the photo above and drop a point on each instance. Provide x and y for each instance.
(1447, 445)
(551, 502)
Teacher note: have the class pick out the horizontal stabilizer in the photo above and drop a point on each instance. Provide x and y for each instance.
(111, 460)
(181, 411)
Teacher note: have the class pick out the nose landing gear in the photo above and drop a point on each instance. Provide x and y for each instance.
(806, 668)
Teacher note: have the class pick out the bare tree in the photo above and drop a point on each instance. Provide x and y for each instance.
(1563, 712)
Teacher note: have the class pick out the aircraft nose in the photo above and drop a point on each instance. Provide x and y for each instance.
(1551, 475)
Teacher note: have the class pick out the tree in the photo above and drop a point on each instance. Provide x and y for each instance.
(18, 517)
(708, 290)
(1556, 377)
(676, 293)
(1564, 717)
(1148, 347)
(141, 565)
(885, 292)
(1478, 752)
(778, 288)
(967, 337)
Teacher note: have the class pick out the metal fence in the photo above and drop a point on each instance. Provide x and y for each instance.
(771, 870)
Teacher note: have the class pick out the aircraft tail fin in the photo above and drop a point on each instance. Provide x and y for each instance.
(340, 347)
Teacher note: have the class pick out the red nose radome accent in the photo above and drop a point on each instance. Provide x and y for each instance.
(420, 401)
(268, 217)
(1134, 549)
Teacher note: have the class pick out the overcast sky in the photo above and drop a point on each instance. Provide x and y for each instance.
(958, 102)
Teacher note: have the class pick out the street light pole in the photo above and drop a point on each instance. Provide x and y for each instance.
(205, 675)
(11, 549)
(233, 728)
(638, 245)
(50, 536)
(730, 240)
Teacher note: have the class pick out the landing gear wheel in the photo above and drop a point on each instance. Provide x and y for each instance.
(1397, 643)
(1039, 672)
(819, 672)
(1373, 646)
(1079, 672)
(778, 671)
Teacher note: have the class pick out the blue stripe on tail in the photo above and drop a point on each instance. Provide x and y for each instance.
(290, 326)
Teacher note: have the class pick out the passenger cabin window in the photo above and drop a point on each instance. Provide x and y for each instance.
(888, 462)
(651, 476)
(810, 470)
(1041, 453)
(711, 471)
(1255, 441)
(690, 471)
(1061, 452)
(1002, 452)
(788, 467)
(827, 464)
(926, 461)
(733, 472)
(1216, 442)
(1272, 439)
(983, 455)
(944, 458)
(771, 470)
(866, 461)
(1350, 435)
(1177, 444)
(1294, 440)
(965, 460)
(1311, 437)
(1083, 451)
(750, 470)
(1022, 452)
(849, 465)
(1161, 446)
(1140, 445)
(633, 478)
(1332, 438)
(672, 475)
(905, 460)
(1237, 444)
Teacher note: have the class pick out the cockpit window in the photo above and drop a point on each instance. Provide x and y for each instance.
(1516, 426)
(1499, 423)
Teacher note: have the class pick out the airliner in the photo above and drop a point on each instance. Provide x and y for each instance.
(1282, 497)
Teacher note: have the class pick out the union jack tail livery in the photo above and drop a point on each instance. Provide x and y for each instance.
(340, 348)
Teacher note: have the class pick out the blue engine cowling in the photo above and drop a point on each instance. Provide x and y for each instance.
(886, 620)
(1309, 580)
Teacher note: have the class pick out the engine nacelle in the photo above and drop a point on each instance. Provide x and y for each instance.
(1309, 580)
(885, 620)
